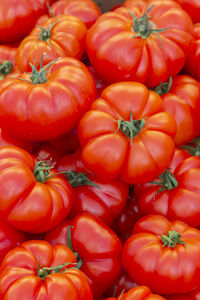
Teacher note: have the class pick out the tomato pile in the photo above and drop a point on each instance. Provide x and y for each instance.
(99, 150)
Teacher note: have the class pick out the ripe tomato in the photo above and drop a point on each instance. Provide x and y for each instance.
(133, 150)
(104, 200)
(192, 7)
(142, 41)
(36, 270)
(18, 18)
(181, 97)
(163, 255)
(139, 293)
(50, 103)
(58, 37)
(30, 199)
(8, 140)
(192, 65)
(195, 295)
(97, 247)
(67, 143)
(175, 194)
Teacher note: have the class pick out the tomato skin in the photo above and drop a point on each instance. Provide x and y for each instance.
(67, 143)
(192, 7)
(12, 24)
(19, 278)
(48, 153)
(139, 293)
(192, 65)
(106, 202)
(108, 152)
(47, 115)
(98, 247)
(67, 39)
(134, 57)
(44, 205)
(183, 102)
(8, 140)
(195, 295)
(182, 202)
(8, 53)
(167, 270)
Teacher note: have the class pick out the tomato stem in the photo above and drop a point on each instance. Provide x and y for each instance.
(164, 87)
(131, 128)
(79, 179)
(69, 245)
(168, 182)
(6, 68)
(172, 239)
(46, 32)
(193, 148)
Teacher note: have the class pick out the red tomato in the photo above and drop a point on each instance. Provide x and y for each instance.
(47, 153)
(176, 195)
(98, 249)
(49, 104)
(164, 256)
(104, 200)
(192, 7)
(17, 19)
(140, 42)
(8, 140)
(86, 10)
(10, 238)
(137, 293)
(58, 37)
(30, 199)
(8, 53)
(100, 84)
(192, 65)
(190, 296)
(36, 270)
(126, 134)
(67, 143)
(181, 97)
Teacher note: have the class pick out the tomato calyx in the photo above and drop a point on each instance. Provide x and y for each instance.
(131, 128)
(172, 239)
(69, 245)
(143, 27)
(193, 147)
(41, 171)
(6, 68)
(44, 272)
(168, 182)
(46, 32)
(164, 87)
(78, 179)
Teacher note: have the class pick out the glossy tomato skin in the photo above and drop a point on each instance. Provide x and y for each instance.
(67, 39)
(139, 293)
(118, 54)
(183, 102)
(54, 107)
(28, 204)
(192, 65)
(86, 10)
(108, 152)
(10, 238)
(182, 202)
(18, 20)
(163, 269)
(192, 7)
(195, 295)
(98, 247)
(8, 53)
(8, 140)
(19, 274)
(105, 201)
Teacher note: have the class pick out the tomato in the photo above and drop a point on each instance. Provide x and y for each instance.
(10, 238)
(31, 198)
(47, 153)
(139, 293)
(58, 37)
(46, 105)
(190, 296)
(192, 7)
(176, 194)
(140, 42)
(104, 200)
(36, 270)
(133, 150)
(98, 249)
(181, 97)
(8, 53)
(8, 140)
(67, 143)
(100, 84)
(86, 10)
(163, 255)
(16, 21)
(192, 65)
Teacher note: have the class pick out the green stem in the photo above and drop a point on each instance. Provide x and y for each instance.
(131, 128)
(6, 67)
(172, 239)
(69, 245)
(45, 34)
(193, 148)
(164, 87)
